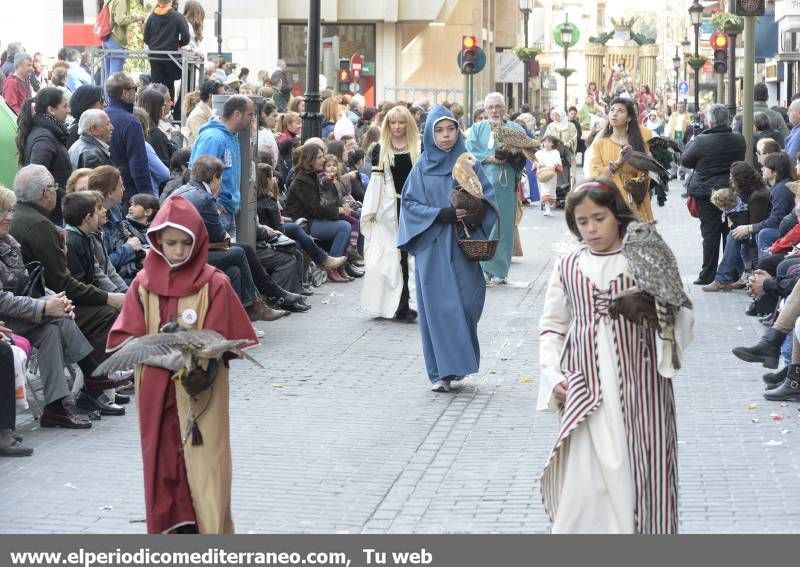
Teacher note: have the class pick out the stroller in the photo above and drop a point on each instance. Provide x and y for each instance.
(564, 177)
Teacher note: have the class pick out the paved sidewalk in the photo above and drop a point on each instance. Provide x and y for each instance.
(340, 433)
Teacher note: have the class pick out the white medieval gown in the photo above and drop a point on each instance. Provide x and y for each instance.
(589, 484)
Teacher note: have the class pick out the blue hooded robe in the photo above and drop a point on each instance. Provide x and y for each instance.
(450, 288)
(504, 180)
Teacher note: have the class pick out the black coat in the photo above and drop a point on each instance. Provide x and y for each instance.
(710, 155)
(46, 145)
(304, 201)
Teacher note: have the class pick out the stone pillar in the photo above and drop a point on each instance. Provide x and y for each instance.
(595, 52)
(648, 54)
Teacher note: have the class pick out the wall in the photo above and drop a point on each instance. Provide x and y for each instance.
(45, 36)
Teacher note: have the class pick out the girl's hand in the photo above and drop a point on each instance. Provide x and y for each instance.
(560, 391)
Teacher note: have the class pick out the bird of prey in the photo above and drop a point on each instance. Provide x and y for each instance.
(655, 272)
(513, 141)
(638, 187)
(643, 162)
(468, 195)
(194, 345)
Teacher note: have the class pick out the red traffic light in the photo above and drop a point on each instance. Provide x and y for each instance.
(344, 76)
(468, 42)
(719, 41)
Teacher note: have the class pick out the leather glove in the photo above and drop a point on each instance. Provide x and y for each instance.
(639, 308)
(199, 380)
(447, 215)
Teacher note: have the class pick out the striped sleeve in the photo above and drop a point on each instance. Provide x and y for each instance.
(553, 327)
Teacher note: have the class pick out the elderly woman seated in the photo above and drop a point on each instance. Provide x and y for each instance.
(47, 322)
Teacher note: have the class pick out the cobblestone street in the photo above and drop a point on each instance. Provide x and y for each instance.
(341, 434)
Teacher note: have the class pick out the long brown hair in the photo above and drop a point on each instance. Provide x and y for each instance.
(104, 179)
(635, 138)
(195, 14)
(306, 156)
(604, 193)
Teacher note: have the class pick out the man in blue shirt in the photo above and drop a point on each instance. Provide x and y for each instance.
(793, 139)
(219, 138)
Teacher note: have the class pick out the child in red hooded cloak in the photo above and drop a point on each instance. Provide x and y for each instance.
(187, 485)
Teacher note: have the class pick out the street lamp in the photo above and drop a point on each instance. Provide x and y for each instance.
(676, 64)
(566, 40)
(312, 119)
(696, 16)
(525, 8)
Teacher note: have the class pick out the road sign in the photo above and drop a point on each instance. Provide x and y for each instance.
(354, 88)
(683, 88)
(356, 66)
(480, 59)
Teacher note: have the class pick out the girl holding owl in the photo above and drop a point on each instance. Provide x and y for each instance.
(613, 468)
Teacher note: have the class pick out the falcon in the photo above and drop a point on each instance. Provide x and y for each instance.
(644, 162)
(513, 141)
(655, 272)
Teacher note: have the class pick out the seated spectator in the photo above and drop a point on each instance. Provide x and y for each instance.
(304, 201)
(330, 114)
(42, 138)
(92, 148)
(79, 180)
(202, 113)
(10, 442)
(152, 102)
(158, 171)
(124, 249)
(335, 192)
(83, 99)
(238, 261)
(269, 214)
(17, 86)
(267, 121)
(142, 209)
(47, 322)
(762, 128)
(289, 125)
(178, 172)
(164, 123)
(776, 171)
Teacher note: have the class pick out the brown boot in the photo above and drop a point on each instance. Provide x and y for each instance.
(333, 262)
(335, 277)
(344, 274)
(260, 311)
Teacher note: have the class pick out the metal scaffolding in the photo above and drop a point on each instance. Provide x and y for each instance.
(190, 64)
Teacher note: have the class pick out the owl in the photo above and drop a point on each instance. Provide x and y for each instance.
(469, 193)
(655, 272)
(514, 141)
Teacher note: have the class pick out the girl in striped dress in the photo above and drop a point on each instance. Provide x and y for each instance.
(613, 468)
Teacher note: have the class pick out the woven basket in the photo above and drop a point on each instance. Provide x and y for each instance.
(545, 174)
(478, 250)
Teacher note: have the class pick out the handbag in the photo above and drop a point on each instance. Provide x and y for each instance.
(694, 207)
(282, 243)
(35, 286)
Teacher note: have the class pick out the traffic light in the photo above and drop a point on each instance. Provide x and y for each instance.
(749, 7)
(469, 54)
(344, 75)
(719, 43)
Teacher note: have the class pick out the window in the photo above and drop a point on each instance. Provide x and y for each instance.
(73, 11)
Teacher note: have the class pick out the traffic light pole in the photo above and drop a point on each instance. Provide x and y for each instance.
(748, 74)
(312, 119)
(469, 100)
(731, 102)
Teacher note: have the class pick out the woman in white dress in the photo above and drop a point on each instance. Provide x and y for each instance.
(613, 468)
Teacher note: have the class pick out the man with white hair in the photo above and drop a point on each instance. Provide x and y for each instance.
(17, 86)
(503, 176)
(92, 148)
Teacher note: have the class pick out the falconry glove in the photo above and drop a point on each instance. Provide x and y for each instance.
(639, 308)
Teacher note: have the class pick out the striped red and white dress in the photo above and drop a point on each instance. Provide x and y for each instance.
(613, 468)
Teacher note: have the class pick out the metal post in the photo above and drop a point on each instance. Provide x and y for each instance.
(721, 89)
(677, 70)
(526, 64)
(748, 74)
(731, 102)
(697, 71)
(218, 26)
(312, 118)
(566, 78)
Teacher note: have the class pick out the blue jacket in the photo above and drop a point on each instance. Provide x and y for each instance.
(216, 140)
(793, 142)
(781, 204)
(115, 239)
(205, 203)
(127, 148)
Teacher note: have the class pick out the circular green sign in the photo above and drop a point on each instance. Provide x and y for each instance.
(576, 35)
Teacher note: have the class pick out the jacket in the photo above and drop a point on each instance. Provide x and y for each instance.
(781, 204)
(303, 200)
(15, 91)
(166, 31)
(39, 240)
(775, 118)
(46, 145)
(793, 142)
(128, 152)
(161, 144)
(115, 238)
(216, 140)
(198, 117)
(80, 254)
(196, 193)
(105, 275)
(89, 152)
(13, 276)
(121, 18)
(758, 206)
(786, 242)
(711, 154)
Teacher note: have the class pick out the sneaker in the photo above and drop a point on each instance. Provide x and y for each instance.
(259, 333)
(498, 281)
(547, 212)
(441, 386)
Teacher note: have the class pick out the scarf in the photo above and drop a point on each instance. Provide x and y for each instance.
(55, 126)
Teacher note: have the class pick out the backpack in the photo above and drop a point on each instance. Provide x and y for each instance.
(102, 26)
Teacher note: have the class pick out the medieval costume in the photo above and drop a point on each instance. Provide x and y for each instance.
(503, 178)
(187, 482)
(450, 288)
(386, 291)
(614, 466)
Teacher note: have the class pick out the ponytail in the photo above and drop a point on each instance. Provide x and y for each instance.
(24, 126)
